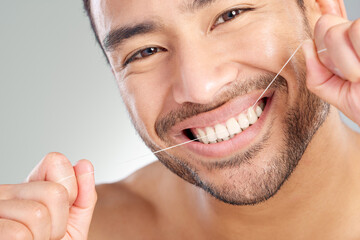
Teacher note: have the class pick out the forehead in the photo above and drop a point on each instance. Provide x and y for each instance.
(112, 14)
(109, 6)
(108, 14)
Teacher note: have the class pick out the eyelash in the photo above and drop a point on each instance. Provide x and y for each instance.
(138, 55)
(236, 12)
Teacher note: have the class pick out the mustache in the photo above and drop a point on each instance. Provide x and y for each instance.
(187, 110)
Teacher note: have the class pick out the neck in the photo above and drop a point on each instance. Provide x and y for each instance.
(320, 195)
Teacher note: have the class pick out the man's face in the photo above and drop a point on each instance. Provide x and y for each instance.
(190, 68)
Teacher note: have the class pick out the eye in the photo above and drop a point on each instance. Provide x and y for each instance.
(143, 53)
(229, 15)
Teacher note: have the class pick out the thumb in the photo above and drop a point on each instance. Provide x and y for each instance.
(319, 79)
(84, 172)
(82, 210)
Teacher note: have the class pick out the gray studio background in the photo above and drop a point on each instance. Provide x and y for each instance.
(58, 94)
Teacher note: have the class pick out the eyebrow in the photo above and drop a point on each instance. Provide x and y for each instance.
(118, 36)
(196, 5)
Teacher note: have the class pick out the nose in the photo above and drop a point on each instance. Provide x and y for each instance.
(202, 73)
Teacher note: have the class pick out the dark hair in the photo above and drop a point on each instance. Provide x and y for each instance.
(87, 9)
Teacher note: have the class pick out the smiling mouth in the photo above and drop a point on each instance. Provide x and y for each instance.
(230, 128)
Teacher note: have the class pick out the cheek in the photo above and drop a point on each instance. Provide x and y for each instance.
(267, 40)
(266, 45)
(144, 95)
(257, 47)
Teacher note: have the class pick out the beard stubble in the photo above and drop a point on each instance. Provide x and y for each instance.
(300, 123)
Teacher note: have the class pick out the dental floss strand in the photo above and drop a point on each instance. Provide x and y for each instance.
(266, 89)
(73, 176)
(322, 50)
(291, 57)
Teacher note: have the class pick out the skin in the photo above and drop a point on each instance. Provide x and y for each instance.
(321, 198)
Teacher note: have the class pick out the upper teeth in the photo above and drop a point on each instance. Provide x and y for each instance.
(233, 126)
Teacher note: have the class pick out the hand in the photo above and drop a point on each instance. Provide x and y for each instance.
(333, 64)
(57, 202)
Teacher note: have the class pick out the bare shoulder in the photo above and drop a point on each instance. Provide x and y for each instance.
(127, 208)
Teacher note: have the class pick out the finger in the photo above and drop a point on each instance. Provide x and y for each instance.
(55, 167)
(354, 35)
(33, 215)
(319, 79)
(324, 23)
(13, 230)
(341, 52)
(52, 195)
(317, 73)
(338, 92)
(82, 210)
(334, 8)
(84, 171)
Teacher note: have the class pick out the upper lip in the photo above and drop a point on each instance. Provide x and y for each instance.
(221, 114)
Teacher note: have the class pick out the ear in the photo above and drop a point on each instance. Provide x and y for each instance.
(335, 7)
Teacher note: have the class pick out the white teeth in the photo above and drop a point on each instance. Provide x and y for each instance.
(252, 116)
(233, 126)
(210, 133)
(243, 121)
(221, 131)
(258, 111)
(202, 135)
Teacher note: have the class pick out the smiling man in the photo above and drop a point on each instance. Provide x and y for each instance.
(283, 167)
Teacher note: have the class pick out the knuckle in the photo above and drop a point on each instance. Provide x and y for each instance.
(57, 192)
(16, 230)
(40, 213)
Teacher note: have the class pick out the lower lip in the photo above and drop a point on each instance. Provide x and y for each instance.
(236, 144)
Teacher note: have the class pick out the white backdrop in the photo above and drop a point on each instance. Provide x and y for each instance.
(58, 94)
